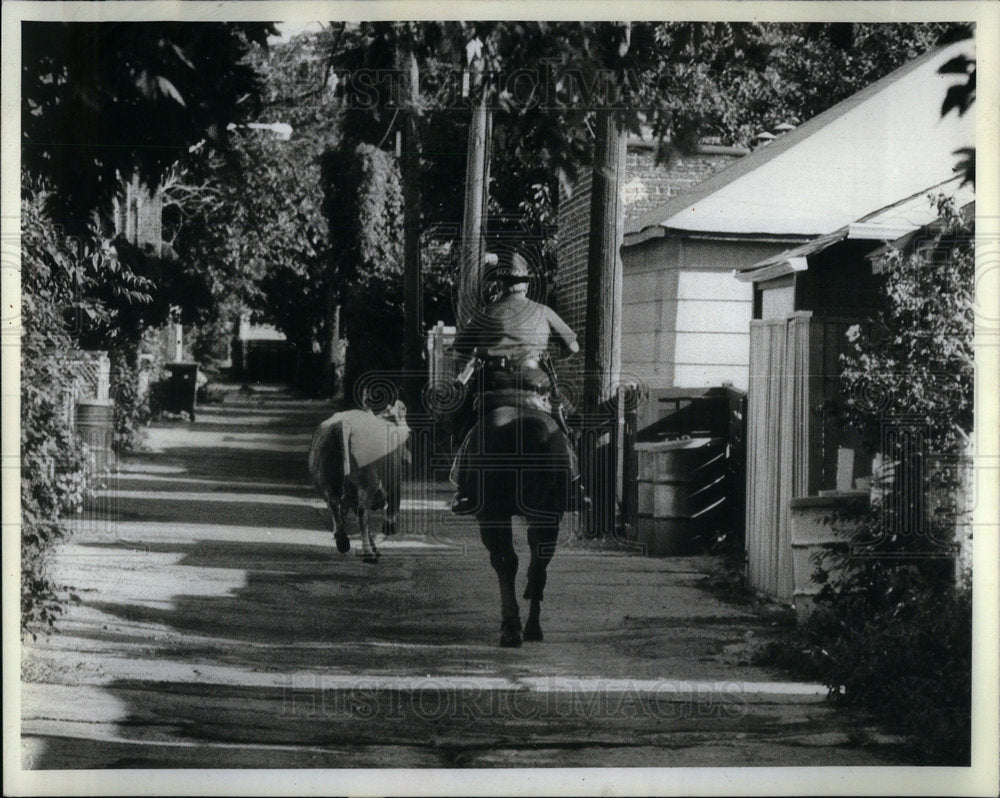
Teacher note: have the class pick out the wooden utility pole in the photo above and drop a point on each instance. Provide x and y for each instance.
(477, 178)
(409, 168)
(602, 338)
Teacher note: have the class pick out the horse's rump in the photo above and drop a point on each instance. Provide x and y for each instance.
(522, 462)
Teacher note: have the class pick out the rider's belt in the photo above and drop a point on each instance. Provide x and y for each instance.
(511, 362)
(523, 372)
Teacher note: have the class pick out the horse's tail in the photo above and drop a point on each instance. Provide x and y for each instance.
(525, 463)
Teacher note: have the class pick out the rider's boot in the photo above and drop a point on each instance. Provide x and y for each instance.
(464, 501)
(463, 504)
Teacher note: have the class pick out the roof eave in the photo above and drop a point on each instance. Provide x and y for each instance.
(866, 231)
(660, 231)
(773, 270)
(788, 263)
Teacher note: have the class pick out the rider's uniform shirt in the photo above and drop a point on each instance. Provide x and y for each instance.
(513, 325)
(512, 328)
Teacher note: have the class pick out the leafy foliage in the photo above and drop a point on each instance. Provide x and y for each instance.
(547, 80)
(249, 217)
(364, 207)
(731, 81)
(918, 360)
(102, 100)
(54, 463)
(894, 641)
(132, 377)
(961, 96)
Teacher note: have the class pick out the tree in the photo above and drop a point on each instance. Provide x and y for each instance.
(730, 82)
(549, 80)
(364, 207)
(101, 100)
(249, 217)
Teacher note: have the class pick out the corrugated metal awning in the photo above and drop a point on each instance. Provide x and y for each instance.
(791, 260)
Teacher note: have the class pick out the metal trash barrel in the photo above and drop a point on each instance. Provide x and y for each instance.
(672, 496)
(95, 424)
(813, 530)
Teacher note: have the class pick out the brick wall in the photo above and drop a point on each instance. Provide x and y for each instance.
(571, 279)
(645, 186)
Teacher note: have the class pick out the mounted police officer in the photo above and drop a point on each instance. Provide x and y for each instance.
(509, 339)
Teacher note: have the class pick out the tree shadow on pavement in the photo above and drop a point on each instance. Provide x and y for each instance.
(298, 594)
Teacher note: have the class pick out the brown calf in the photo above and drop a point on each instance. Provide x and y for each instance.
(356, 460)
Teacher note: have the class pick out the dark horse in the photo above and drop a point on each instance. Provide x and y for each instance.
(521, 463)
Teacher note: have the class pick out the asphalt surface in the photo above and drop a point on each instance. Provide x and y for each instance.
(211, 623)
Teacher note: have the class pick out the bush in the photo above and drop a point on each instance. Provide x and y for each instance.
(53, 460)
(894, 639)
(133, 383)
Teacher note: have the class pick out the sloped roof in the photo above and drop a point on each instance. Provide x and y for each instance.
(885, 142)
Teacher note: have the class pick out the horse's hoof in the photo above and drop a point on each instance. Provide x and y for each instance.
(343, 544)
(533, 632)
(510, 640)
(371, 559)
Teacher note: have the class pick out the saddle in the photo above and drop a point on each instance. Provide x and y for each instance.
(525, 381)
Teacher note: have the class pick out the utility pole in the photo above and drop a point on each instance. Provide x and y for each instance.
(409, 168)
(602, 338)
(477, 178)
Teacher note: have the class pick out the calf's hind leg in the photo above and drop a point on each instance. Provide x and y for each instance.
(369, 552)
(542, 539)
(392, 500)
(339, 527)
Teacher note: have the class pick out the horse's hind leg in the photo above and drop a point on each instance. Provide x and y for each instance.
(498, 538)
(542, 540)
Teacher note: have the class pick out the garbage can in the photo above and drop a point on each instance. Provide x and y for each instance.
(95, 424)
(818, 524)
(675, 491)
(182, 388)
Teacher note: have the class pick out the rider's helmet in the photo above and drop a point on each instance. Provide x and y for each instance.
(512, 268)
